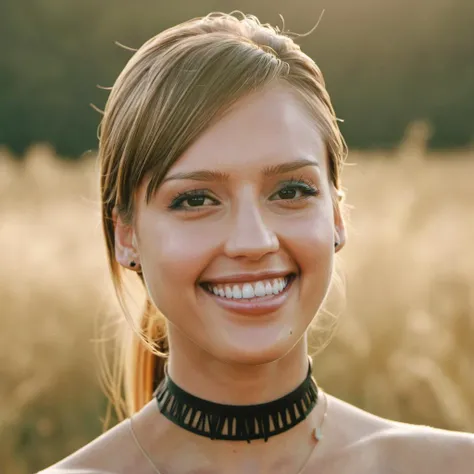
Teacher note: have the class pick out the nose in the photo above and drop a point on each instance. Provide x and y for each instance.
(249, 236)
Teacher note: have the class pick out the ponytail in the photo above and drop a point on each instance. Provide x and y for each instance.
(136, 367)
(145, 367)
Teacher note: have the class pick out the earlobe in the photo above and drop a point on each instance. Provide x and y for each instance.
(340, 229)
(125, 251)
(340, 235)
(340, 239)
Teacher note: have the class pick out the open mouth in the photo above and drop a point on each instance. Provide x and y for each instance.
(250, 291)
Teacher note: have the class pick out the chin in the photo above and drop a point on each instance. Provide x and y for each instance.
(253, 351)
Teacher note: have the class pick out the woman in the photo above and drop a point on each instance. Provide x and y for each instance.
(221, 160)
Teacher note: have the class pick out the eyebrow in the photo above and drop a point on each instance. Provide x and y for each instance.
(267, 171)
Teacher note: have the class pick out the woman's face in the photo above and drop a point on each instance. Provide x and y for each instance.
(245, 207)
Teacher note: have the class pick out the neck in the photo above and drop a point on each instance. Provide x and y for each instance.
(234, 384)
(165, 443)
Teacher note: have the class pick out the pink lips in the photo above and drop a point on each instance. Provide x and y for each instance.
(254, 306)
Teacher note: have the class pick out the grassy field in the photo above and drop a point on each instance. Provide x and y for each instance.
(404, 348)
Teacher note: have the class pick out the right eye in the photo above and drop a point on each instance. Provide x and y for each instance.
(195, 200)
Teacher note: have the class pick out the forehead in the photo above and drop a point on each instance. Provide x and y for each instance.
(263, 128)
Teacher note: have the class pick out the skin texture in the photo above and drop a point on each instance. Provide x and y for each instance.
(247, 224)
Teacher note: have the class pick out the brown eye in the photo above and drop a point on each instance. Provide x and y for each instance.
(288, 193)
(192, 200)
(195, 201)
(296, 191)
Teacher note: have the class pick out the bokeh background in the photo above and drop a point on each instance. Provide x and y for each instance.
(401, 75)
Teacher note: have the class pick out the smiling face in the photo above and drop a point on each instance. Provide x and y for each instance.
(249, 201)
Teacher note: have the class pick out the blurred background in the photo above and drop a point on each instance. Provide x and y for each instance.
(401, 76)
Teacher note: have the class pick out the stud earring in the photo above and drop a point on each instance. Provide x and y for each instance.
(133, 264)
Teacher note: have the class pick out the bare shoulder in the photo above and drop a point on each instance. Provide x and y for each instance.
(100, 455)
(360, 442)
(414, 449)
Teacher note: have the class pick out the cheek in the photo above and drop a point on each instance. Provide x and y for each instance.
(310, 243)
(309, 238)
(172, 254)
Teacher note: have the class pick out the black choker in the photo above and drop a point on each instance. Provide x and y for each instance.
(248, 422)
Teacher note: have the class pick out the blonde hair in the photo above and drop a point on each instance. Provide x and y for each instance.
(174, 87)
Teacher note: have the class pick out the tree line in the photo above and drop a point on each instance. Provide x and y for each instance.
(385, 63)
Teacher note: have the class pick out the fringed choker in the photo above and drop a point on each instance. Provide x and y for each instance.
(246, 422)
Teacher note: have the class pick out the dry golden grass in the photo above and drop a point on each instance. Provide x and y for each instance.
(404, 347)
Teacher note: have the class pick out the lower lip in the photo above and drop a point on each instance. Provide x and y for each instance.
(254, 306)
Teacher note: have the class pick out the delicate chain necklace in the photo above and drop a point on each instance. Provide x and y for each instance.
(317, 436)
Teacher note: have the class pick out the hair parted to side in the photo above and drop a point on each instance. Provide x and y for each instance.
(174, 87)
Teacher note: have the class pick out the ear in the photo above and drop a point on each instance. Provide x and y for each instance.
(125, 243)
(339, 225)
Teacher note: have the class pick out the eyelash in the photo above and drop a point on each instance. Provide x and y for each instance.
(302, 184)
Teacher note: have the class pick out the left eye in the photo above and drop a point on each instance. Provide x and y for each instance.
(291, 191)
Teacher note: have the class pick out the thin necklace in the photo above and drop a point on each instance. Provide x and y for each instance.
(317, 437)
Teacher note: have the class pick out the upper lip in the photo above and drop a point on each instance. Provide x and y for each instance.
(244, 277)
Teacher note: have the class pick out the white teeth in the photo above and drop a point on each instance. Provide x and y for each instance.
(236, 292)
(250, 290)
(260, 289)
(247, 291)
